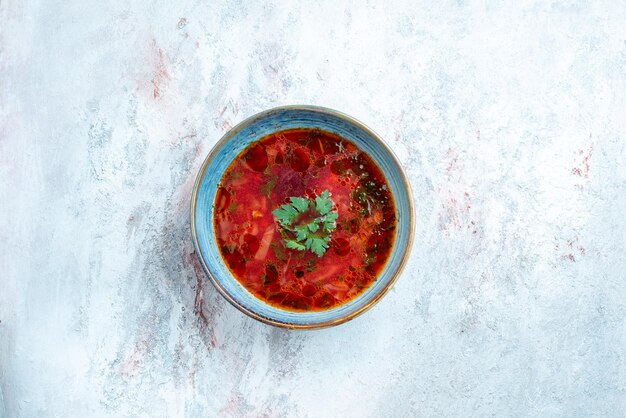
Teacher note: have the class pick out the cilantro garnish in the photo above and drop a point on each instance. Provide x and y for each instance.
(306, 224)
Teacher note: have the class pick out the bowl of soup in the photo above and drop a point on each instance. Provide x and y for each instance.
(302, 217)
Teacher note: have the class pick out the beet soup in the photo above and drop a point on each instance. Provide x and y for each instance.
(304, 219)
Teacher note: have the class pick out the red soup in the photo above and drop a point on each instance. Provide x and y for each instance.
(304, 219)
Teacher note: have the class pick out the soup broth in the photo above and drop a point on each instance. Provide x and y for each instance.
(270, 256)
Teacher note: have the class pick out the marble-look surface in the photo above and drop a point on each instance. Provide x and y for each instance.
(509, 117)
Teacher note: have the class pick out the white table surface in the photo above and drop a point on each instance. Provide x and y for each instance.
(509, 117)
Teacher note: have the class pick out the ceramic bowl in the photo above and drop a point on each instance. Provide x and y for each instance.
(225, 151)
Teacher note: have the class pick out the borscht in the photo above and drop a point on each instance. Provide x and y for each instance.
(304, 219)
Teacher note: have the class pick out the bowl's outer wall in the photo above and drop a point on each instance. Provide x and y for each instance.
(237, 140)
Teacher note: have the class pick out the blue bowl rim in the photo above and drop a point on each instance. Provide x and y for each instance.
(215, 150)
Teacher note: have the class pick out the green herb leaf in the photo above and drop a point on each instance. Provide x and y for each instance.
(323, 204)
(285, 214)
(301, 232)
(331, 217)
(294, 245)
(307, 224)
(300, 203)
(317, 245)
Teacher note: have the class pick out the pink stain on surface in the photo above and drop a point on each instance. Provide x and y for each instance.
(161, 76)
(581, 161)
(213, 338)
(231, 408)
(224, 119)
(154, 80)
(453, 162)
(200, 301)
(135, 360)
(572, 249)
(454, 213)
(455, 199)
(570, 257)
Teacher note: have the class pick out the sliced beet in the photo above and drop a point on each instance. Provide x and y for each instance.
(309, 290)
(236, 262)
(299, 160)
(250, 245)
(341, 246)
(256, 157)
(222, 200)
